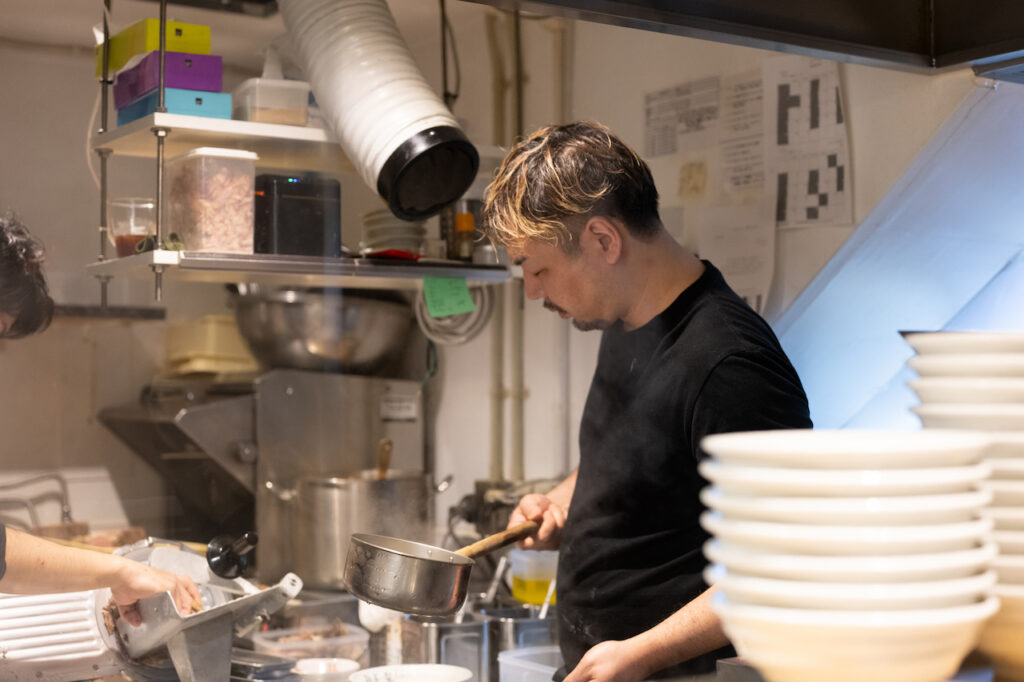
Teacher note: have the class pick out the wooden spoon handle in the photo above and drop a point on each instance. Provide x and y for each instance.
(499, 540)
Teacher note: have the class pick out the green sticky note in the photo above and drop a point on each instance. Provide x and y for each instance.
(447, 296)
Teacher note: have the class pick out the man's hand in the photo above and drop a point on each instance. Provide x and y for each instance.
(137, 581)
(550, 515)
(611, 661)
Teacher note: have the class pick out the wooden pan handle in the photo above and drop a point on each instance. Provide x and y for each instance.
(499, 540)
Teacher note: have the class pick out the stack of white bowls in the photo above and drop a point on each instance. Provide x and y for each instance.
(849, 555)
(975, 380)
(382, 231)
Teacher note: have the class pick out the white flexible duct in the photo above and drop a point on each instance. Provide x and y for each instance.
(405, 143)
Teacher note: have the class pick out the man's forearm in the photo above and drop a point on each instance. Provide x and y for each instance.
(691, 631)
(561, 494)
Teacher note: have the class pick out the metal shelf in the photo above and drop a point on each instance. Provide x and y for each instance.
(363, 273)
(279, 146)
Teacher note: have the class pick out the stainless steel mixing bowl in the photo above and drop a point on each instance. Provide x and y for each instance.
(340, 330)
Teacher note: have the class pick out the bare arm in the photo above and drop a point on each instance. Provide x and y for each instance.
(550, 510)
(37, 566)
(691, 631)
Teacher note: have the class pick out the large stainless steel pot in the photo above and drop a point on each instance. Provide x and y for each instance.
(343, 330)
(326, 511)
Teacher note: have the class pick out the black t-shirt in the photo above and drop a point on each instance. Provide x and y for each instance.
(631, 547)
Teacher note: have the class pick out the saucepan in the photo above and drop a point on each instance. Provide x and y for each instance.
(416, 578)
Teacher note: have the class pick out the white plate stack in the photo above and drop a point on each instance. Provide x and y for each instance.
(849, 555)
(383, 231)
(975, 380)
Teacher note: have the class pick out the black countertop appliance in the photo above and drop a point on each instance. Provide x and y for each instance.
(299, 215)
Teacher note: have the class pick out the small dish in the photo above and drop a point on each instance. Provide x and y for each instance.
(847, 448)
(968, 365)
(891, 511)
(928, 343)
(982, 416)
(842, 482)
(968, 389)
(870, 568)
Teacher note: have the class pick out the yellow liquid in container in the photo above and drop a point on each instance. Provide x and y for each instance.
(531, 591)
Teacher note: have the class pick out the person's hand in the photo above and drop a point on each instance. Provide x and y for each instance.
(611, 661)
(137, 581)
(550, 515)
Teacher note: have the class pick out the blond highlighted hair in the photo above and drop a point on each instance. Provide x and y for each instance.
(563, 172)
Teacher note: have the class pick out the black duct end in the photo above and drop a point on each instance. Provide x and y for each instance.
(427, 172)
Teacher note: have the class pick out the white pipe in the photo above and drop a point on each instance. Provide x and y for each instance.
(496, 469)
(392, 125)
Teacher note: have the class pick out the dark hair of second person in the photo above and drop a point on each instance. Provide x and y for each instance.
(24, 296)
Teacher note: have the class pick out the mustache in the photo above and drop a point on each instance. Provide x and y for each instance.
(551, 306)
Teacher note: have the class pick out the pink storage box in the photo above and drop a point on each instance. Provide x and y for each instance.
(182, 70)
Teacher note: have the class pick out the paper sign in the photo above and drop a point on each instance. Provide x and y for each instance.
(447, 296)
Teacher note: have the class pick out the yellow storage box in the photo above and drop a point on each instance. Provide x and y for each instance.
(144, 37)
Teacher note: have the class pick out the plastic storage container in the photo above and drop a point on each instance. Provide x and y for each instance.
(181, 70)
(144, 36)
(210, 199)
(209, 344)
(130, 220)
(269, 100)
(532, 573)
(176, 101)
(534, 664)
(315, 642)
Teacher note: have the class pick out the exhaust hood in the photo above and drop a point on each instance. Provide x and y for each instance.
(926, 36)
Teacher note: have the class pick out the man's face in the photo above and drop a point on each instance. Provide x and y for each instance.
(564, 282)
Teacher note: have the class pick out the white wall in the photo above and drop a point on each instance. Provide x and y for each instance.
(43, 175)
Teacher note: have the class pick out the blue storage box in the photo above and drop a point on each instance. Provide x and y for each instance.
(177, 101)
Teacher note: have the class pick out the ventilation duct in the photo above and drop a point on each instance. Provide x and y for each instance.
(394, 128)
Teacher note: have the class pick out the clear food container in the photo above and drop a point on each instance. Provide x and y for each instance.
(210, 199)
(532, 573)
(131, 219)
(270, 100)
(340, 640)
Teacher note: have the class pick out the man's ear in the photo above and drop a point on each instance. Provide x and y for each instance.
(606, 237)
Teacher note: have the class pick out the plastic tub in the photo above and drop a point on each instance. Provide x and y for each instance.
(210, 200)
(268, 100)
(211, 343)
(534, 664)
(316, 642)
(532, 573)
(325, 669)
(413, 672)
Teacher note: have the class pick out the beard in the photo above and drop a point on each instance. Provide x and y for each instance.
(582, 325)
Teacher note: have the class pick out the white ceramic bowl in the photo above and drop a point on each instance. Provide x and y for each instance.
(1007, 468)
(968, 365)
(807, 645)
(1005, 493)
(1005, 518)
(845, 540)
(413, 672)
(779, 481)
(1009, 541)
(876, 568)
(858, 596)
(926, 343)
(847, 448)
(982, 416)
(1010, 569)
(1001, 637)
(885, 511)
(932, 390)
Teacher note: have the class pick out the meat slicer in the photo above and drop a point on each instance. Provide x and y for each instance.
(75, 636)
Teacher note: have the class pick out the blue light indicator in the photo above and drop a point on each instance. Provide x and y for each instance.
(293, 179)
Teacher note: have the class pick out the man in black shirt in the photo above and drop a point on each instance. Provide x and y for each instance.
(682, 356)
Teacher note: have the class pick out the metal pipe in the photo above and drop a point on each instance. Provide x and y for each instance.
(516, 456)
(517, 50)
(496, 469)
(161, 136)
(163, 53)
(104, 153)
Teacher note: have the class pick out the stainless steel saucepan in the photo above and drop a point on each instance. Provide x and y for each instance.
(416, 578)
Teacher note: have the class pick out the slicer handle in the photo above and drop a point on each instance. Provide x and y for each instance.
(228, 557)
